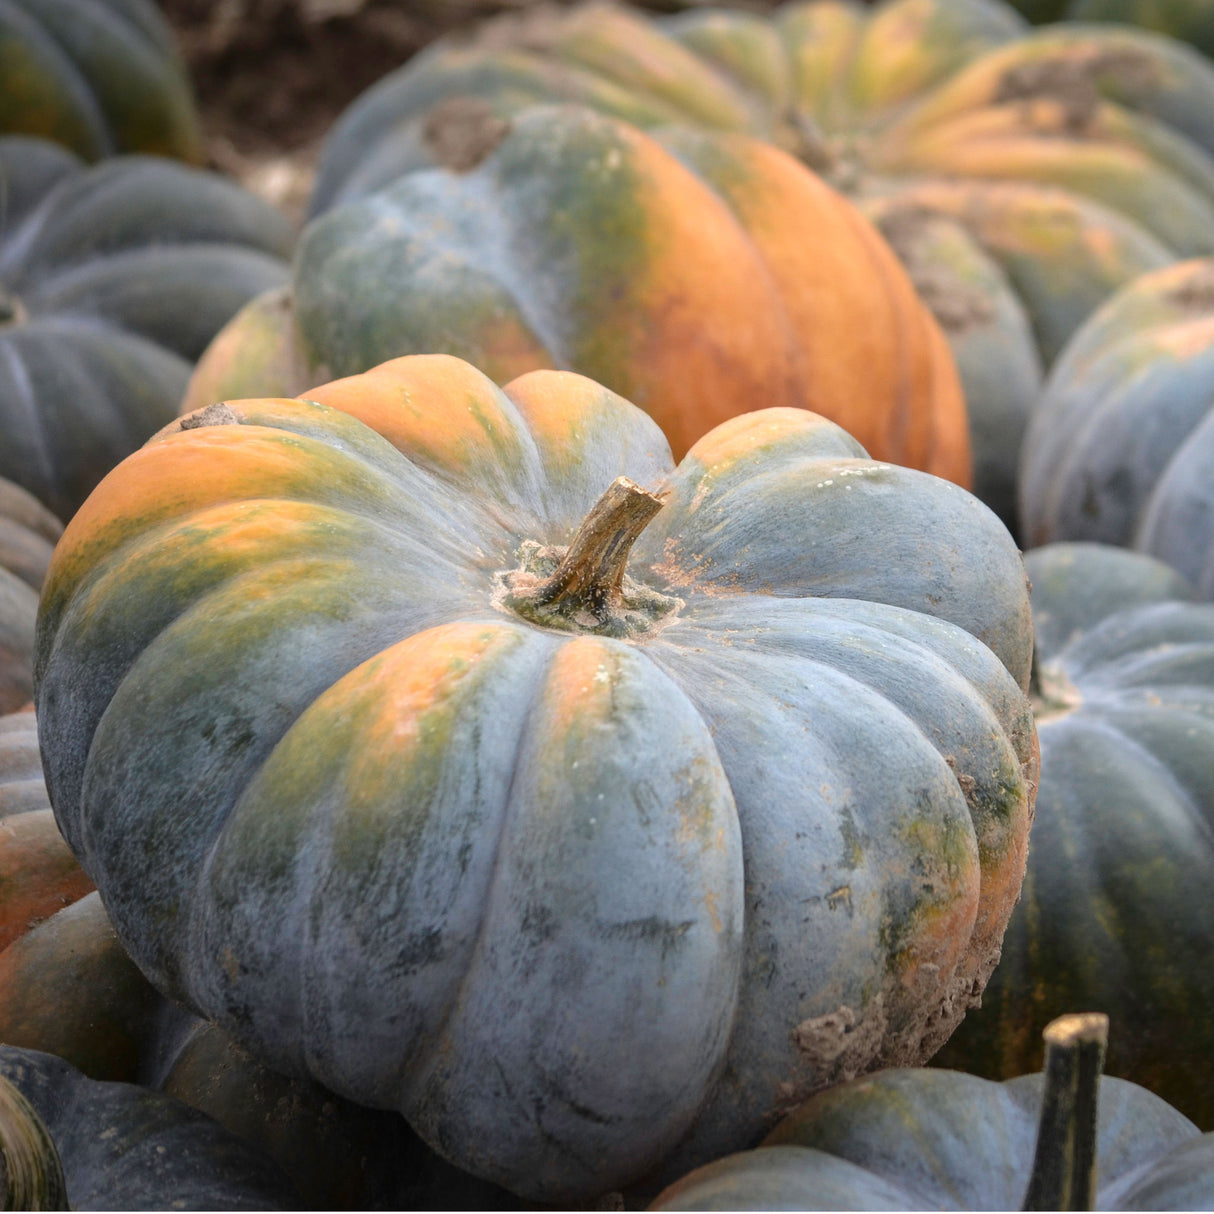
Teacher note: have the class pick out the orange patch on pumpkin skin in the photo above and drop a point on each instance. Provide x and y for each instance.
(578, 687)
(438, 410)
(1183, 341)
(412, 677)
(560, 407)
(701, 334)
(175, 474)
(741, 436)
(886, 381)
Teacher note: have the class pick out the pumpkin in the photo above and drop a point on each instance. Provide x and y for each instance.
(1122, 440)
(116, 1146)
(340, 1155)
(925, 1139)
(1115, 909)
(1021, 175)
(586, 870)
(28, 532)
(18, 613)
(98, 76)
(697, 274)
(112, 280)
(38, 874)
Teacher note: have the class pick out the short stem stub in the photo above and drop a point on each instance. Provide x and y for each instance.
(31, 1175)
(584, 587)
(591, 572)
(1064, 1166)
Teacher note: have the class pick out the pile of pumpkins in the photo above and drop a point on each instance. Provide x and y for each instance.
(527, 693)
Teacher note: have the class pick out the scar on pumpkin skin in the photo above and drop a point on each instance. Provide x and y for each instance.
(218, 414)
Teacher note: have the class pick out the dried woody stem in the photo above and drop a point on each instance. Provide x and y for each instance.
(591, 573)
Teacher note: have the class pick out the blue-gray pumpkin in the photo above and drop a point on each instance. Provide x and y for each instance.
(113, 278)
(926, 1139)
(1116, 913)
(1120, 445)
(382, 759)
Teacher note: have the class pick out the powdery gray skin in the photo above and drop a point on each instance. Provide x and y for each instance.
(755, 830)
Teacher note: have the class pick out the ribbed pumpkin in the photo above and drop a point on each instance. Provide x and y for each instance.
(112, 281)
(65, 1138)
(97, 76)
(381, 760)
(1022, 175)
(698, 274)
(923, 1139)
(1116, 910)
(1121, 443)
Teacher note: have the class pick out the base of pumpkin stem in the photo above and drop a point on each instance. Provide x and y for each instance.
(639, 609)
(583, 588)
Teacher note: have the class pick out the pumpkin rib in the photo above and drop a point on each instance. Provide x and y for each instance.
(1132, 636)
(804, 1061)
(318, 739)
(709, 1027)
(20, 379)
(1110, 729)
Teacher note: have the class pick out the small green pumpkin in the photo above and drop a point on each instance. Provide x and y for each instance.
(98, 76)
(1115, 914)
(924, 1139)
(112, 280)
(587, 871)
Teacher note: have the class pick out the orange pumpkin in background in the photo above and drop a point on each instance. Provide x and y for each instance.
(698, 274)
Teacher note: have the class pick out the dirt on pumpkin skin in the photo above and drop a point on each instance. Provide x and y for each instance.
(272, 76)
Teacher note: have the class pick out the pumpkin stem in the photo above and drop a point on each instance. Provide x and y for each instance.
(591, 573)
(31, 1175)
(1064, 1166)
(583, 588)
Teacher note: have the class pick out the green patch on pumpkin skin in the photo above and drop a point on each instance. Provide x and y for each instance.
(582, 230)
